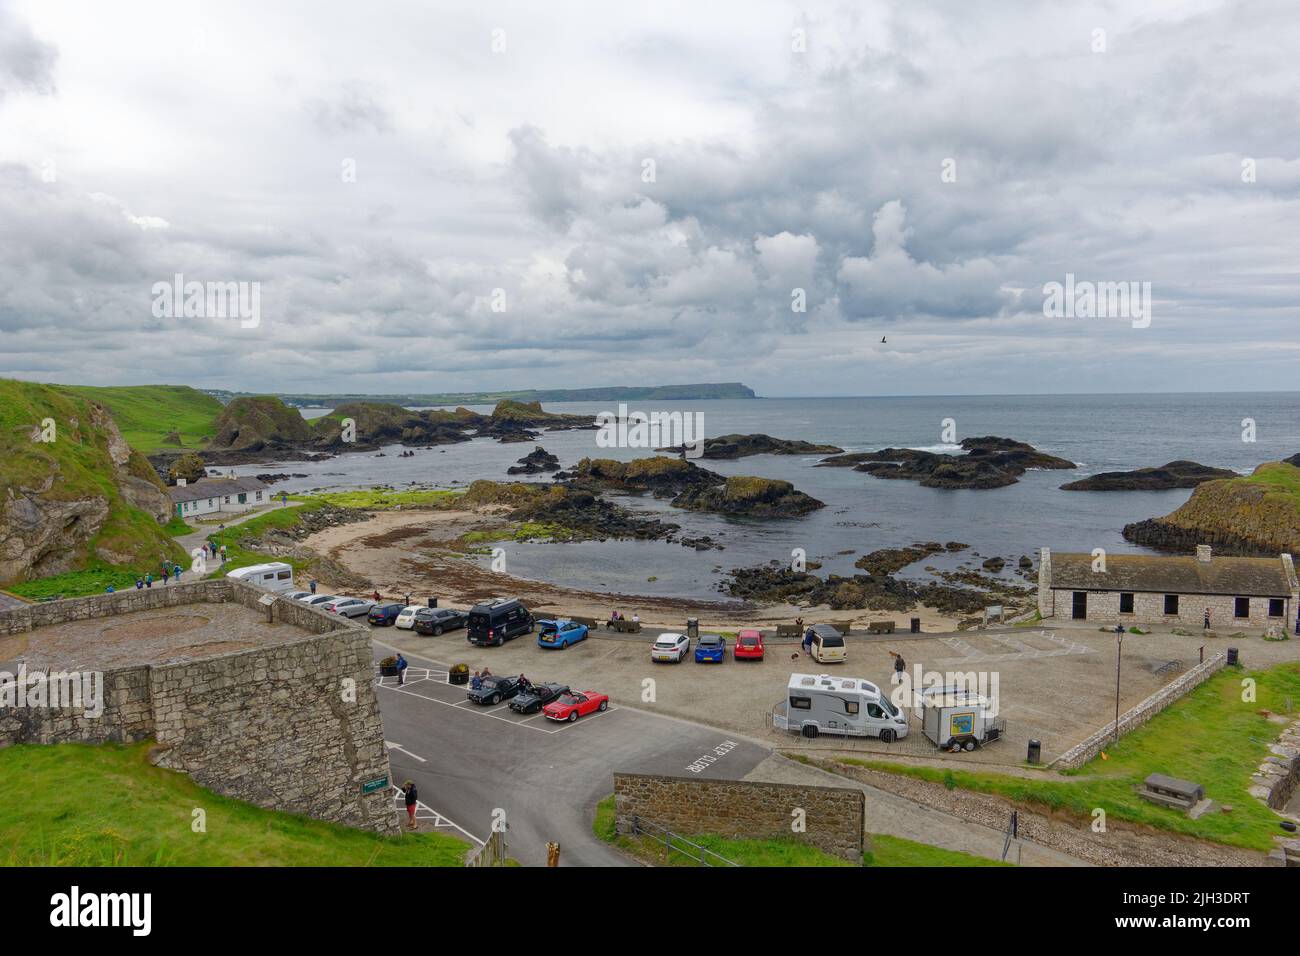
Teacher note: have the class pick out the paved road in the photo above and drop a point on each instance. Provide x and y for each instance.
(547, 778)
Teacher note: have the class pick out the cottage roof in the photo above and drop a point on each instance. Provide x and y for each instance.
(214, 488)
(1174, 574)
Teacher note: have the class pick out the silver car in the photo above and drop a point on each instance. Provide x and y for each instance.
(348, 607)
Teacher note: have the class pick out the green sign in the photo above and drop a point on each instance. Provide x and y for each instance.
(370, 786)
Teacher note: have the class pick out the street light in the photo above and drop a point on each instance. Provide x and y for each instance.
(1119, 647)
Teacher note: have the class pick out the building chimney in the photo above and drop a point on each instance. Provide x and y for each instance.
(1203, 553)
(180, 482)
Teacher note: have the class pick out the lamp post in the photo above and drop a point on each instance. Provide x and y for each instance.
(1119, 647)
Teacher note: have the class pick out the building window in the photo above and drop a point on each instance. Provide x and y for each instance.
(1275, 607)
(227, 499)
(1171, 603)
(1241, 607)
(1126, 602)
(209, 502)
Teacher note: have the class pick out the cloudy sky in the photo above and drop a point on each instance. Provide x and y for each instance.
(454, 196)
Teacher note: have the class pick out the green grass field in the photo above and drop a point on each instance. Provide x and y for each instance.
(884, 851)
(147, 414)
(105, 805)
(1210, 736)
(380, 499)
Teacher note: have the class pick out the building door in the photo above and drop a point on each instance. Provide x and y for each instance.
(1080, 606)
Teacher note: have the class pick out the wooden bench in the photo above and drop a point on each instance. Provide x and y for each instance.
(624, 626)
(842, 626)
(880, 627)
(789, 630)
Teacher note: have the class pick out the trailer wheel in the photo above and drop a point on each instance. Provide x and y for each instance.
(886, 736)
(969, 745)
(810, 731)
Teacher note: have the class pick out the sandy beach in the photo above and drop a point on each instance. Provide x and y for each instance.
(414, 551)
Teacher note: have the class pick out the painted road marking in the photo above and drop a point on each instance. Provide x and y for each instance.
(392, 746)
(429, 815)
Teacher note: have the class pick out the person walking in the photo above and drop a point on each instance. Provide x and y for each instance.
(900, 665)
(401, 670)
(176, 572)
(408, 599)
(1206, 625)
(284, 500)
(807, 641)
(167, 573)
(312, 585)
(222, 550)
(148, 579)
(375, 596)
(412, 802)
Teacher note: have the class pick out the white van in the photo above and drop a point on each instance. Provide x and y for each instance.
(821, 704)
(827, 645)
(275, 576)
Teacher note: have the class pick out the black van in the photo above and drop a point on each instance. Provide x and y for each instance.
(495, 622)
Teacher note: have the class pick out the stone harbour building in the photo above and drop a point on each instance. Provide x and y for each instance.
(1173, 590)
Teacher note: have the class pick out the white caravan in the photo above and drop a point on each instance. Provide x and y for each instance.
(275, 576)
(821, 704)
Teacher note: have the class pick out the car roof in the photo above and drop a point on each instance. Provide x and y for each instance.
(750, 632)
(669, 636)
(711, 638)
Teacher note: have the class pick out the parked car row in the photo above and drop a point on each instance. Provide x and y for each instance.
(555, 701)
(709, 648)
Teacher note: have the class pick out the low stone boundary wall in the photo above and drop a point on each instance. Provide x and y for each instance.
(1081, 753)
(833, 817)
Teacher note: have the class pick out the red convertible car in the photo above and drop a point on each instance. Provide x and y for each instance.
(576, 704)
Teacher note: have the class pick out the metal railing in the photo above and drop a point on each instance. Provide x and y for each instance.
(669, 839)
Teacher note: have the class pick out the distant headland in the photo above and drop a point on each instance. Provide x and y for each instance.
(611, 393)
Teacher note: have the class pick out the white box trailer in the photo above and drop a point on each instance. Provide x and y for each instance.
(273, 576)
(954, 718)
(820, 704)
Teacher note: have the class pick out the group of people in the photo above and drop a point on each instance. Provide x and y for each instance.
(619, 616)
(210, 547)
(476, 681)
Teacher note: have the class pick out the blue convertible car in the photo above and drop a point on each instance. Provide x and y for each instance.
(710, 649)
(560, 633)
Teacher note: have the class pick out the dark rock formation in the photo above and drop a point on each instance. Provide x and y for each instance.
(989, 462)
(747, 496)
(661, 476)
(889, 560)
(1176, 474)
(535, 462)
(731, 447)
(880, 592)
(188, 466)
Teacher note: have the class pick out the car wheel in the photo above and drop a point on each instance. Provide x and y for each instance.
(886, 736)
(573, 716)
(809, 731)
(500, 641)
(968, 746)
(604, 705)
(437, 630)
(495, 699)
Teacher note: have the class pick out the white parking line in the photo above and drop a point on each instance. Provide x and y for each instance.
(426, 813)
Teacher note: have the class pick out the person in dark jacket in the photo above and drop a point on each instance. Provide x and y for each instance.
(412, 801)
(900, 665)
(807, 640)
(401, 670)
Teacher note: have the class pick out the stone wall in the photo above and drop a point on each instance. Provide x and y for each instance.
(291, 726)
(834, 816)
(1131, 719)
(1149, 608)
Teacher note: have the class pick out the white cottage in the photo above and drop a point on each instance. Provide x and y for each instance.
(214, 495)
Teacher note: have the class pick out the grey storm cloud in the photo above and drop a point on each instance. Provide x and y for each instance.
(652, 199)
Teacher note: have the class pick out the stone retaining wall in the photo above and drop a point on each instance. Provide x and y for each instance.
(834, 817)
(291, 726)
(1082, 752)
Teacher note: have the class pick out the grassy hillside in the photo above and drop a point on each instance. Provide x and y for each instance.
(1210, 736)
(77, 467)
(106, 805)
(148, 414)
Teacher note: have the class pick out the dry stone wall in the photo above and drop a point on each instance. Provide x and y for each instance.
(834, 816)
(293, 726)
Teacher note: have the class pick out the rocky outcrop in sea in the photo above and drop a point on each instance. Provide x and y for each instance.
(1175, 474)
(989, 462)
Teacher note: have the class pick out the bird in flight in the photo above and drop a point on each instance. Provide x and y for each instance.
(882, 338)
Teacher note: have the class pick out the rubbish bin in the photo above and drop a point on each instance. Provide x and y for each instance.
(916, 625)
(692, 627)
(458, 674)
(1035, 751)
(433, 602)
(1232, 657)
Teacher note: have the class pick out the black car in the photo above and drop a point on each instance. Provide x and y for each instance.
(495, 622)
(493, 690)
(385, 615)
(536, 697)
(435, 620)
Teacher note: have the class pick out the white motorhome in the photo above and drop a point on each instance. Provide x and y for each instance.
(821, 704)
(275, 576)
